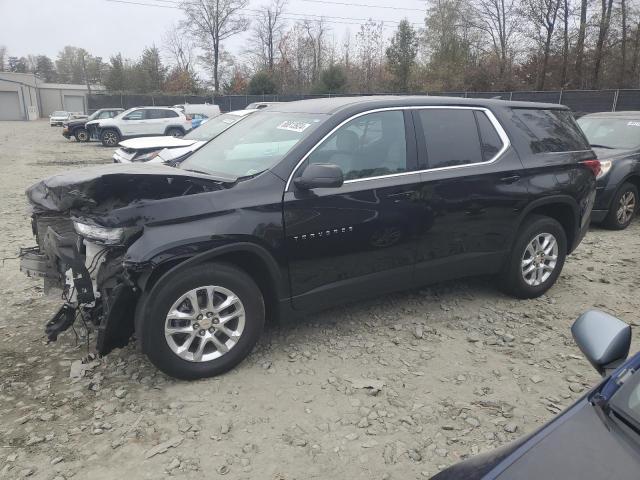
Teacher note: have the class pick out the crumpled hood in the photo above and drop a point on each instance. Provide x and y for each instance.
(167, 141)
(109, 186)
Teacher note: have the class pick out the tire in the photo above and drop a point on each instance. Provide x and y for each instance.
(514, 280)
(162, 347)
(175, 132)
(623, 208)
(82, 135)
(110, 137)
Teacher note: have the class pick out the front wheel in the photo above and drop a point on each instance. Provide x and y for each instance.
(202, 321)
(110, 138)
(82, 135)
(623, 208)
(537, 258)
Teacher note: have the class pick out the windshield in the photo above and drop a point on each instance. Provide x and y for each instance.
(59, 114)
(623, 133)
(626, 401)
(94, 115)
(213, 127)
(253, 145)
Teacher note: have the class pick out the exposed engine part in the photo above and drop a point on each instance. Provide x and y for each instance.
(60, 321)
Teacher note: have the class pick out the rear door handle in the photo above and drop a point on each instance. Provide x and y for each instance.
(511, 179)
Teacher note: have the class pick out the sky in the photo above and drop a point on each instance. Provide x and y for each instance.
(104, 27)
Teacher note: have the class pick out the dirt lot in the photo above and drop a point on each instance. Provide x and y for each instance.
(456, 369)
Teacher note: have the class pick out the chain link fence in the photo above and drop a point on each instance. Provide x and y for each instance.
(580, 101)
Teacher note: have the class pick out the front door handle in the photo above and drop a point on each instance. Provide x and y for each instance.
(511, 179)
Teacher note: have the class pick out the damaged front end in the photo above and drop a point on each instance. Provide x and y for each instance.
(90, 276)
(82, 241)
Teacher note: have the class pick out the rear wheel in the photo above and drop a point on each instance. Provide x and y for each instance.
(175, 132)
(537, 258)
(623, 207)
(202, 321)
(82, 135)
(110, 138)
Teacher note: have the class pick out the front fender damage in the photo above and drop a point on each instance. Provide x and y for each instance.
(100, 289)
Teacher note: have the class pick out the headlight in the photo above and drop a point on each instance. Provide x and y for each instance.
(108, 236)
(605, 166)
(146, 157)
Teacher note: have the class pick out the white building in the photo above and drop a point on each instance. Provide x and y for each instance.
(24, 96)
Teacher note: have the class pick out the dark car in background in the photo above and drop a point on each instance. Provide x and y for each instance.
(306, 205)
(596, 438)
(77, 128)
(615, 137)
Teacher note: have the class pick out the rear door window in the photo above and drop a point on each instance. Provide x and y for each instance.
(136, 115)
(551, 130)
(450, 135)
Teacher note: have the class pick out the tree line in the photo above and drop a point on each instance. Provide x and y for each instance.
(455, 45)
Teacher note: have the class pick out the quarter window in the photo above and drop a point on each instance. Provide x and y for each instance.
(489, 138)
(451, 137)
(550, 130)
(368, 146)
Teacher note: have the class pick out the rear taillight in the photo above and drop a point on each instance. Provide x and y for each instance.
(594, 166)
(188, 117)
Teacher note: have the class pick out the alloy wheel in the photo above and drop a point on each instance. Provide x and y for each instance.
(204, 323)
(626, 208)
(539, 259)
(110, 138)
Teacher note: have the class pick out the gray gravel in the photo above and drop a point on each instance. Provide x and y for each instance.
(393, 388)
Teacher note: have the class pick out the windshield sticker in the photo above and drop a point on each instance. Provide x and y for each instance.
(633, 124)
(298, 127)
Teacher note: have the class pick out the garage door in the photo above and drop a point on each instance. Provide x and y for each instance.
(10, 106)
(74, 103)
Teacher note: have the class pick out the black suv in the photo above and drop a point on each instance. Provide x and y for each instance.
(77, 128)
(615, 138)
(305, 205)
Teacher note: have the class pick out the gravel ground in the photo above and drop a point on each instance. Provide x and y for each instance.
(393, 388)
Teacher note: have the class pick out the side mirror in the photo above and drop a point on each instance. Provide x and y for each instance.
(320, 175)
(603, 339)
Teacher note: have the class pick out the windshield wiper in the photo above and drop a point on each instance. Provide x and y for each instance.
(597, 145)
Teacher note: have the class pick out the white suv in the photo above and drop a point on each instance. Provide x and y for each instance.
(140, 122)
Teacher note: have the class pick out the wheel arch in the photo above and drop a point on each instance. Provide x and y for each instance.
(110, 127)
(253, 259)
(633, 178)
(174, 127)
(562, 208)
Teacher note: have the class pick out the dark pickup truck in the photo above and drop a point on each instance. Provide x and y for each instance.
(77, 128)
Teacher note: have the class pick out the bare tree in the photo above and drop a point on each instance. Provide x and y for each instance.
(623, 44)
(368, 44)
(603, 31)
(267, 33)
(316, 30)
(542, 15)
(565, 43)
(3, 58)
(180, 49)
(498, 19)
(578, 74)
(212, 22)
